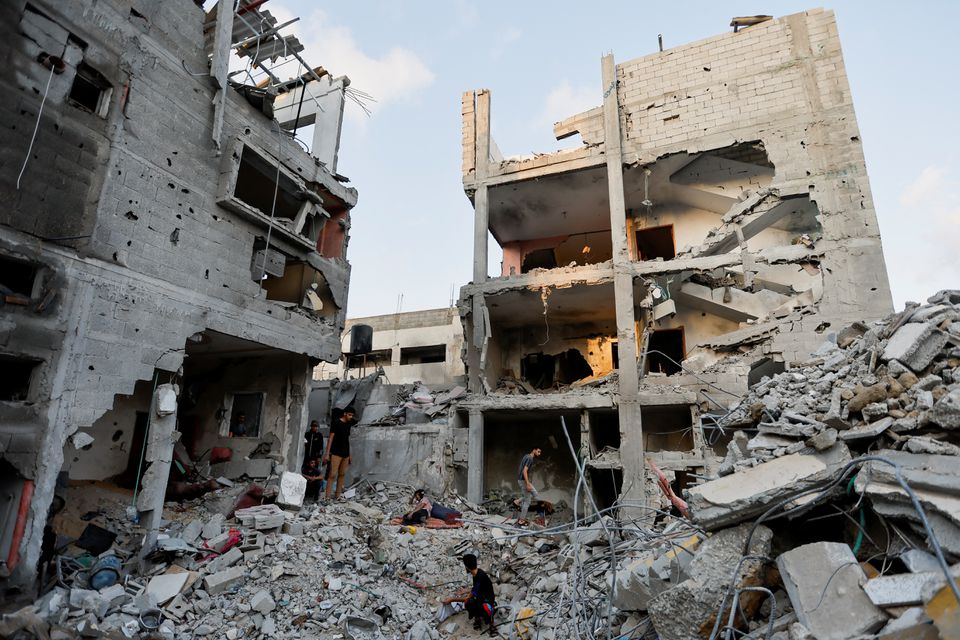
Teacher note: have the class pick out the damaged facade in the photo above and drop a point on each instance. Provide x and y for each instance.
(162, 226)
(713, 227)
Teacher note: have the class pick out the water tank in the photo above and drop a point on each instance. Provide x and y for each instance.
(361, 339)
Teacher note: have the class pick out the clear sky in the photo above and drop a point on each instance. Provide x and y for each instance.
(412, 227)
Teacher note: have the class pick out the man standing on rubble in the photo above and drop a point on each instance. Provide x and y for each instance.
(527, 490)
(338, 450)
(313, 442)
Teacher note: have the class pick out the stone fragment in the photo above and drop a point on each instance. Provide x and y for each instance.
(263, 602)
(213, 527)
(925, 444)
(915, 345)
(823, 580)
(223, 580)
(687, 610)
(901, 589)
(868, 395)
(228, 559)
(946, 411)
(823, 440)
(192, 531)
(909, 618)
(293, 487)
(919, 561)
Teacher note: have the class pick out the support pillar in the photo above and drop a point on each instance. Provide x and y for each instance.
(476, 458)
(161, 436)
(481, 203)
(631, 431)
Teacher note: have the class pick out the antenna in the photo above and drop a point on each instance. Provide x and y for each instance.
(452, 288)
(399, 302)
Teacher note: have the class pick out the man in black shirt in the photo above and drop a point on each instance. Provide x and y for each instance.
(313, 443)
(479, 600)
(338, 450)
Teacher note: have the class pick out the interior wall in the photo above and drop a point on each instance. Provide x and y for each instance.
(567, 249)
(690, 225)
(593, 341)
(698, 326)
(280, 378)
(508, 436)
(109, 453)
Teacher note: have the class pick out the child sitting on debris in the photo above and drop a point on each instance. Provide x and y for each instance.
(479, 600)
(314, 474)
(420, 513)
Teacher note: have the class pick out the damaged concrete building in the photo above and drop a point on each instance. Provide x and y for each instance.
(162, 226)
(715, 226)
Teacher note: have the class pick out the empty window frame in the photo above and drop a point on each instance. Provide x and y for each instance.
(665, 351)
(17, 278)
(16, 374)
(90, 90)
(667, 428)
(423, 355)
(656, 242)
(256, 188)
(245, 415)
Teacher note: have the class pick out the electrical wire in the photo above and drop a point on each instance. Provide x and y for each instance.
(36, 126)
(273, 206)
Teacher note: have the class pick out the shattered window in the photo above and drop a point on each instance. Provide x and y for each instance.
(423, 355)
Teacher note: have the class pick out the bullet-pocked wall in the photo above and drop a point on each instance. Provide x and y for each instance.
(119, 199)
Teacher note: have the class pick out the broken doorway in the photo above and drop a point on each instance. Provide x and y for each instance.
(665, 351)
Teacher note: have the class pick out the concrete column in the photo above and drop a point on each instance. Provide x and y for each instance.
(481, 206)
(475, 455)
(631, 432)
(161, 436)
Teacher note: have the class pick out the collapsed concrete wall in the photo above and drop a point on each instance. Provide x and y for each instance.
(137, 208)
(729, 177)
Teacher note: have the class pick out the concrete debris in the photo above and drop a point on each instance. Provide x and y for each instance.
(824, 582)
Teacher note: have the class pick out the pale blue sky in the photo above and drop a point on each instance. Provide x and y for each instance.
(412, 227)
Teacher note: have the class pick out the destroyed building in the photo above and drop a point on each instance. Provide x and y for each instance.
(410, 346)
(162, 226)
(714, 227)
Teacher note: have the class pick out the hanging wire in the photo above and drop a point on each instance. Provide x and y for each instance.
(36, 126)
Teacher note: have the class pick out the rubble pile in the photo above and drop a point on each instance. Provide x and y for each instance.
(851, 459)
(412, 404)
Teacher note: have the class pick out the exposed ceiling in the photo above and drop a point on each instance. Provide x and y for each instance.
(592, 304)
(555, 205)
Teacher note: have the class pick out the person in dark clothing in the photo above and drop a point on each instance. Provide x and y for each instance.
(479, 600)
(421, 511)
(338, 450)
(313, 442)
(314, 475)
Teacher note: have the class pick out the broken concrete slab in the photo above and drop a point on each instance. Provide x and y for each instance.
(871, 430)
(257, 468)
(231, 557)
(213, 527)
(735, 498)
(901, 589)
(166, 586)
(823, 580)
(915, 345)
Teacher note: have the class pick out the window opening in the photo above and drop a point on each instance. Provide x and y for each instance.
(667, 428)
(656, 242)
(245, 415)
(423, 355)
(606, 485)
(16, 278)
(539, 259)
(15, 377)
(604, 430)
(256, 183)
(90, 90)
(666, 351)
